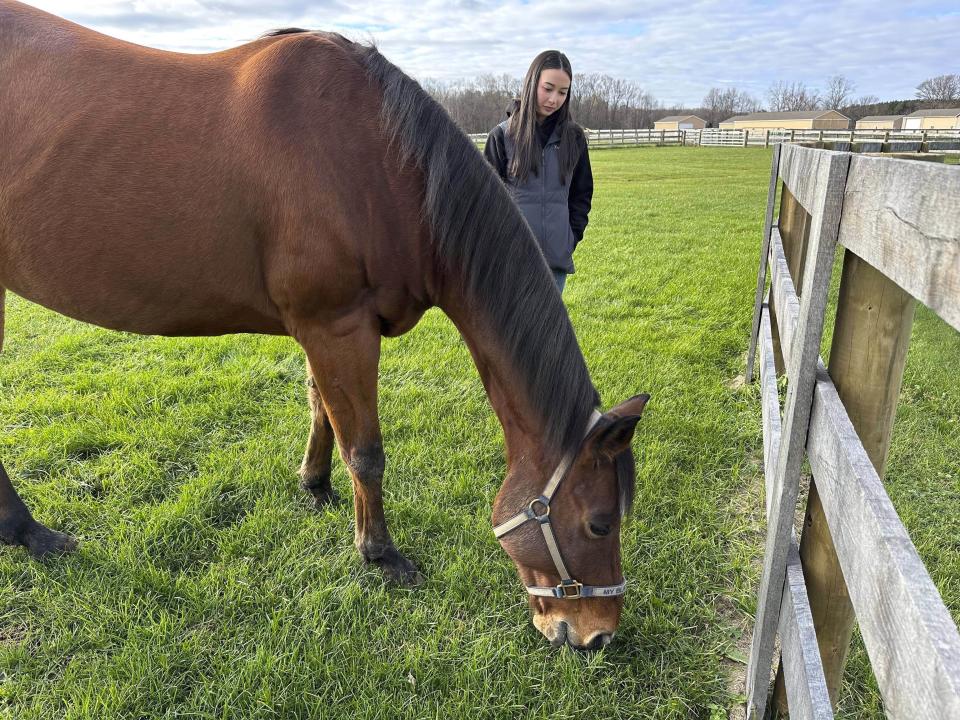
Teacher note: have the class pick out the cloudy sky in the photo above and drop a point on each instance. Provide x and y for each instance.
(674, 50)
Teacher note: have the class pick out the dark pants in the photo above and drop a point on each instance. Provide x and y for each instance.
(560, 278)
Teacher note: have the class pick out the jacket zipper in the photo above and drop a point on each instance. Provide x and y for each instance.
(543, 193)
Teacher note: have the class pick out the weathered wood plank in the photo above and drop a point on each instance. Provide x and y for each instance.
(902, 218)
(913, 644)
(794, 224)
(804, 172)
(867, 358)
(806, 687)
(903, 620)
(762, 271)
(869, 351)
(784, 295)
(807, 694)
(806, 348)
(770, 406)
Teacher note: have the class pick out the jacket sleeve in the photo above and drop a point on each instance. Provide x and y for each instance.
(495, 153)
(581, 194)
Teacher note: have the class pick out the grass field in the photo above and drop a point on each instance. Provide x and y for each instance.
(205, 587)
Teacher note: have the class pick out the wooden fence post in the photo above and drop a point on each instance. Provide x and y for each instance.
(831, 178)
(867, 356)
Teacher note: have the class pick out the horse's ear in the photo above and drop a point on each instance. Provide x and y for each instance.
(614, 431)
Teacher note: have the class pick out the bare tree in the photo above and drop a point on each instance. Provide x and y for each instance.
(719, 104)
(598, 101)
(788, 97)
(746, 103)
(647, 105)
(602, 101)
(866, 100)
(838, 93)
(942, 88)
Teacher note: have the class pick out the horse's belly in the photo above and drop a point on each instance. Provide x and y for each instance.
(175, 293)
(156, 315)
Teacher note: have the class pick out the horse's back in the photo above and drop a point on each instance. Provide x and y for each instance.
(119, 201)
(177, 194)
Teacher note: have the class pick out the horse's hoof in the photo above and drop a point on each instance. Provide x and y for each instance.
(323, 494)
(397, 570)
(325, 499)
(42, 542)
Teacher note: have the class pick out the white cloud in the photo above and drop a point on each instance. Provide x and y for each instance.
(676, 51)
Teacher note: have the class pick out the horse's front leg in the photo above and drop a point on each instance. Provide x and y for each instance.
(345, 365)
(17, 526)
(315, 469)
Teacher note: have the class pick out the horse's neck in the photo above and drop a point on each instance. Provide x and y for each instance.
(522, 425)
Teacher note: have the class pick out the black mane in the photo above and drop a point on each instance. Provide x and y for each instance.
(481, 238)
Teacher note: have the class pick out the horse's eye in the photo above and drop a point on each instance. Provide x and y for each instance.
(598, 528)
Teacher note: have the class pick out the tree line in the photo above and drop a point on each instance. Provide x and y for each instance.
(603, 101)
(599, 101)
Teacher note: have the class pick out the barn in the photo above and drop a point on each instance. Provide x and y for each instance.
(797, 120)
(680, 122)
(880, 122)
(730, 123)
(940, 119)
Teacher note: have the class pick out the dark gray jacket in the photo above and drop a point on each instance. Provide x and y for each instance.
(556, 212)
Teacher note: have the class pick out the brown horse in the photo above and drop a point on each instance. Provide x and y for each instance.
(303, 185)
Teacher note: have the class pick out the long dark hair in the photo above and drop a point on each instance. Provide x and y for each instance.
(523, 122)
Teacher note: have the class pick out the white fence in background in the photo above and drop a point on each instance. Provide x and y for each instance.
(751, 138)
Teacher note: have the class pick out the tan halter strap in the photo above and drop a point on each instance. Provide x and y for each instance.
(539, 510)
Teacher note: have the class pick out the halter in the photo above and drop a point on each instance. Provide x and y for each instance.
(568, 589)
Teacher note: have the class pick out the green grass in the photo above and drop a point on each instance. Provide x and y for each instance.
(204, 587)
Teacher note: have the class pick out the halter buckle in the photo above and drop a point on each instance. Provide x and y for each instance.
(569, 589)
(541, 518)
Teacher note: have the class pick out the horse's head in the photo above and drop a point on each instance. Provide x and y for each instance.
(561, 527)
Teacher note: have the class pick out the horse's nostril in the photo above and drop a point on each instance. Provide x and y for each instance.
(598, 641)
(561, 637)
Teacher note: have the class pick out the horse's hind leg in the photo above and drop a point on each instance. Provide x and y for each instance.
(315, 469)
(345, 366)
(17, 526)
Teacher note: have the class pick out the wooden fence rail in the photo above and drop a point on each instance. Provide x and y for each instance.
(899, 224)
(752, 138)
(623, 138)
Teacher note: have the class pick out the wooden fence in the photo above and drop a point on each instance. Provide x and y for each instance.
(620, 138)
(900, 227)
(768, 138)
(753, 138)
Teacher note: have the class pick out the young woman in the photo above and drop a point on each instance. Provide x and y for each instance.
(541, 154)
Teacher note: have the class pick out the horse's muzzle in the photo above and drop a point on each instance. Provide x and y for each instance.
(560, 632)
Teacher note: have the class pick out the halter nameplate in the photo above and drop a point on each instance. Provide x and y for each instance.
(568, 589)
